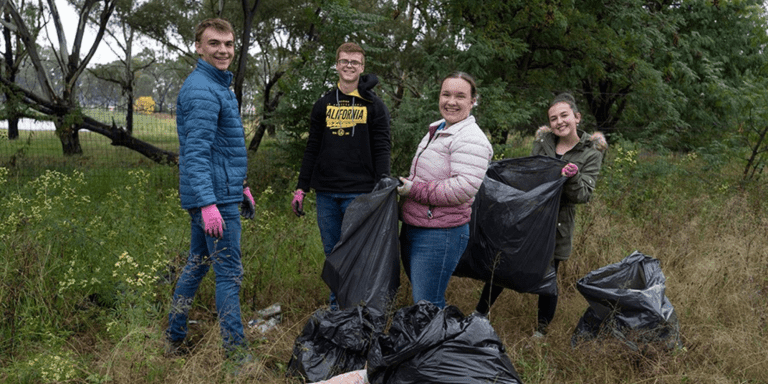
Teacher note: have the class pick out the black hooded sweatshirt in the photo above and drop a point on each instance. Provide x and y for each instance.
(348, 149)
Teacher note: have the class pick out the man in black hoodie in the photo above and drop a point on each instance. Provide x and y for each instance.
(348, 149)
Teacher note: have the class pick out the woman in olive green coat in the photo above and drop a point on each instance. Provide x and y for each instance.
(583, 152)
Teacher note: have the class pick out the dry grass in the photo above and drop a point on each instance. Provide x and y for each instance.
(716, 265)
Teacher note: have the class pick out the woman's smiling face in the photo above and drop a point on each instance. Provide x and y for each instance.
(563, 120)
(456, 100)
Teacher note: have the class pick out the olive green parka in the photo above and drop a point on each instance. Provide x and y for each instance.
(578, 189)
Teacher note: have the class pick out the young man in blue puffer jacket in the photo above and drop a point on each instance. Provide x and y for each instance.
(212, 169)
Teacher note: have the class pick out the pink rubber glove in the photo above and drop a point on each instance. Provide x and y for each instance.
(570, 170)
(248, 205)
(298, 202)
(214, 224)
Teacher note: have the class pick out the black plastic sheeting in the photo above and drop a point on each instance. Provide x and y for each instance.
(364, 266)
(429, 345)
(333, 342)
(627, 300)
(513, 224)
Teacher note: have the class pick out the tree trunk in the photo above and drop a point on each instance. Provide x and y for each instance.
(257, 136)
(70, 140)
(129, 113)
(13, 128)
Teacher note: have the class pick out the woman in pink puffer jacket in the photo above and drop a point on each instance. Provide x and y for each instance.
(446, 173)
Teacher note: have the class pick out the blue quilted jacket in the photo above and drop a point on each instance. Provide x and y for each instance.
(212, 154)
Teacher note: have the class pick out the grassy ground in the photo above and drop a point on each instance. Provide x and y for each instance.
(89, 259)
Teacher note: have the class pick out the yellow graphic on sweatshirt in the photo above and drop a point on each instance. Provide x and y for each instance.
(338, 117)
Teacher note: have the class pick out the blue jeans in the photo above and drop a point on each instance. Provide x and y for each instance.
(330, 212)
(429, 257)
(224, 255)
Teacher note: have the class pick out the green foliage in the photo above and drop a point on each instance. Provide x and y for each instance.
(643, 187)
(750, 141)
(409, 125)
(94, 255)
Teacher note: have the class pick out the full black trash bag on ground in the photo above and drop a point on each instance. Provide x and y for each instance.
(334, 342)
(513, 224)
(627, 300)
(364, 266)
(428, 345)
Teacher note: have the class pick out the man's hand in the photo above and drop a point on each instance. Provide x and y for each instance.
(298, 202)
(404, 189)
(248, 205)
(212, 221)
(570, 170)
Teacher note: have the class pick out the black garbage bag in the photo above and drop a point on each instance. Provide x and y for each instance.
(334, 342)
(627, 300)
(364, 266)
(513, 224)
(429, 345)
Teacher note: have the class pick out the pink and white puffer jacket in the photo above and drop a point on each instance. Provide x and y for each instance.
(447, 172)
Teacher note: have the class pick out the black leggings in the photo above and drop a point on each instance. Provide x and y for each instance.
(547, 303)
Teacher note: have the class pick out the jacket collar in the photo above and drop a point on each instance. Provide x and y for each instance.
(222, 77)
(455, 127)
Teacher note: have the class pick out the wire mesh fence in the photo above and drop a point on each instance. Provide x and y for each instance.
(38, 148)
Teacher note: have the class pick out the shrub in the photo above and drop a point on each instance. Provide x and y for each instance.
(144, 105)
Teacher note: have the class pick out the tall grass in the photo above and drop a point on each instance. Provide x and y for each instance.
(89, 259)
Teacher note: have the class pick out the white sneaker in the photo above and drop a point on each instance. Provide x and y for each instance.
(537, 335)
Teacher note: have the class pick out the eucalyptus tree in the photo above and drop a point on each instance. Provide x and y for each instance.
(60, 103)
(124, 72)
(168, 74)
(13, 55)
(123, 36)
(59, 100)
(97, 93)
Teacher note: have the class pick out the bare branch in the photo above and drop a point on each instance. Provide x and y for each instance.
(62, 53)
(106, 13)
(26, 37)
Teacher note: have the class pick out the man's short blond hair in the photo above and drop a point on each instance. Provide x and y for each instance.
(218, 24)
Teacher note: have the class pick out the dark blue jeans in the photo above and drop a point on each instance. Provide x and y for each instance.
(429, 257)
(330, 212)
(224, 255)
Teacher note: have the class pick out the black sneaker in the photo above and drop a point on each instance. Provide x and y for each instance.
(478, 314)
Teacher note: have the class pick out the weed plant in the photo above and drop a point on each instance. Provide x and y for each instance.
(90, 256)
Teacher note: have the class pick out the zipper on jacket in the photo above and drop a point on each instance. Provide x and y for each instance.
(418, 156)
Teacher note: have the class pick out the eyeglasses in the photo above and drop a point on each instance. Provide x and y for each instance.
(353, 63)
